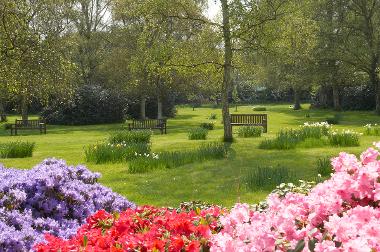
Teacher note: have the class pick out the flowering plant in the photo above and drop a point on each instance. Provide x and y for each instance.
(51, 198)
(143, 229)
(340, 214)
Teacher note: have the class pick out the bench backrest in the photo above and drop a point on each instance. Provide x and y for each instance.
(148, 123)
(249, 119)
(28, 123)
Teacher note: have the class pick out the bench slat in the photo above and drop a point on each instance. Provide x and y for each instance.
(249, 120)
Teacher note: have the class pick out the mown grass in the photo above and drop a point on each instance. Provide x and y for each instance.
(215, 181)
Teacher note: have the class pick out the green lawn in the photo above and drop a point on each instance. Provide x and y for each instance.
(220, 181)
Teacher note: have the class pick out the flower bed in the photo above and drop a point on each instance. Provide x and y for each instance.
(340, 214)
(143, 229)
(50, 198)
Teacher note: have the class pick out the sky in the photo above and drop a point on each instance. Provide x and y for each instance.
(213, 8)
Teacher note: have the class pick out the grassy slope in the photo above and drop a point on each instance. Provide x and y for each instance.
(212, 181)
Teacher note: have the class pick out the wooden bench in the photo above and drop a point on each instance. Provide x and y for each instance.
(28, 125)
(250, 120)
(3, 117)
(159, 124)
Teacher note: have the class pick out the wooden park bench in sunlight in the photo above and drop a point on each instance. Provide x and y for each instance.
(159, 124)
(28, 125)
(250, 120)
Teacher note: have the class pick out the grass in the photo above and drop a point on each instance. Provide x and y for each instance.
(124, 136)
(174, 159)
(198, 134)
(207, 125)
(324, 167)
(250, 131)
(268, 177)
(16, 149)
(215, 181)
(259, 108)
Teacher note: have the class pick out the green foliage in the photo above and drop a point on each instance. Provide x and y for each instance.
(324, 167)
(124, 136)
(16, 149)
(212, 116)
(167, 160)
(344, 138)
(198, 134)
(259, 108)
(285, 140)
(207, 125)
(114, 153)
(250, 131)
(372, 130)
(267, 176)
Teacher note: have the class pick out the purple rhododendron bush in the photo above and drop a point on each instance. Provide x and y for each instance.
(340, 214)
(50, 198)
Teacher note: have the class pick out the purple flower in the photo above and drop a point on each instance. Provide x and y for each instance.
(50, 198)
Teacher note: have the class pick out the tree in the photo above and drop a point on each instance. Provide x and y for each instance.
(30, 36)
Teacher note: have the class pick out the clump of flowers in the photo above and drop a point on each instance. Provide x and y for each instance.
(51, 198)
(372, 129)
(344, 138)
(340, 214)
(147, 155)
(315, 130)
(143, 229)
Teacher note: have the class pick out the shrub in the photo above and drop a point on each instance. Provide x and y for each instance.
(198, 134)
(16, 149)
(7, 126)
(143, 229)
(344, 138)
(336, 215)
(250, 131)
(324, 166)
(91, 104)
(259, 108)
(166, 160)
(51, 198)
(372, 130)
(114, 153)
(264, 177)
(207, 125)
(213, 116)
(130, 137)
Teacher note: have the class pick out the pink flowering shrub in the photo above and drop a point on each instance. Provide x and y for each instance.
(340, 214)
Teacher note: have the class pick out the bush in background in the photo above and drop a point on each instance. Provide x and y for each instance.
(16, 149)
(91, 104)
(250, 131)
(198, 134)
(207, 125)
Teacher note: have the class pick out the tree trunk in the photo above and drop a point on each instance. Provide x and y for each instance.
(159, 107)
(24, 107)
(227, 69)
(142, 107)
(373, 75)
(336, 98)
(323, 97)
(297, 99)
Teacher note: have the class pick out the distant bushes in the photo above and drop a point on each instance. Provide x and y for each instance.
(16, 149)
(89, 105)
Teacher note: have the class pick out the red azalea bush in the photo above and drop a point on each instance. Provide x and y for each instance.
(143, 229)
